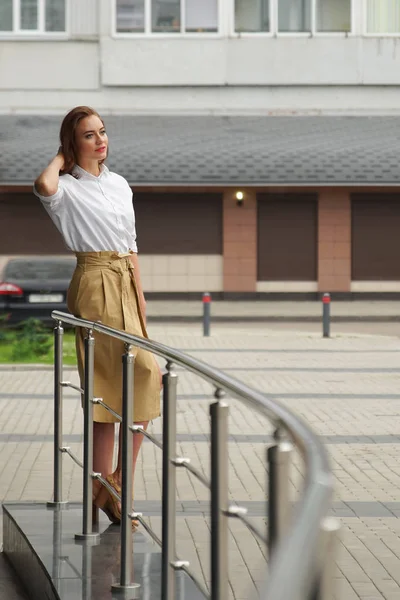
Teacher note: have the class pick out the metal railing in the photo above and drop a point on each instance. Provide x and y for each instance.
(300, 539)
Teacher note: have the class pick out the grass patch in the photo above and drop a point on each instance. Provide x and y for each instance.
(31, 343)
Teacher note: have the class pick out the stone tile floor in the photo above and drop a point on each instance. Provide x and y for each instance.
(346, 387)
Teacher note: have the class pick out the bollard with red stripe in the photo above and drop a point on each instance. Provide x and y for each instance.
(326, 315)
(206, 313)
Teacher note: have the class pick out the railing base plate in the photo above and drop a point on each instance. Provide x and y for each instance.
(63, 504)
(89, 538)
(127, 592)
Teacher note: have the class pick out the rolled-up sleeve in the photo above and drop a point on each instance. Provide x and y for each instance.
(54, 200)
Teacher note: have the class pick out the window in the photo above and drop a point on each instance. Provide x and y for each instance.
(130, 16)
(294, 15)
(252, 15)
(333, 15)
(166, 16)
(32, 16)
(6, 15)
(383, 16)
(55, 15)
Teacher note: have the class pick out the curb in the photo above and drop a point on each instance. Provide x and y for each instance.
(274, 319)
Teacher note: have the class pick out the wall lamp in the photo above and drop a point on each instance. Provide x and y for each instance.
(239, 198)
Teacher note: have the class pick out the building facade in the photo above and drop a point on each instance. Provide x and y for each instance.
(320, 209)
(239, 56)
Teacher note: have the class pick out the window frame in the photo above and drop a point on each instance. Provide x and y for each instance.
(28, 34)
(148, 33)
(365, 31)
(274, 20)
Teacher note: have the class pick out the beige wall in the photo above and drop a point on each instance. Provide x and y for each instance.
(334, 241)
(181, 273)
(240, 242)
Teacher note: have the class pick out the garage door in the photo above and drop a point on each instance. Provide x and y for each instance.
(375, 237)
(26, 228)
(179, 223)
(287, 237)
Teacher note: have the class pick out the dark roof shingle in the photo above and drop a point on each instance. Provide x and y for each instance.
(218, 150)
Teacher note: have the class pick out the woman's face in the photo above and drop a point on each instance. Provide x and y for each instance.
(91, 139)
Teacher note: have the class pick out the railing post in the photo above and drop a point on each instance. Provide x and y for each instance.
(168, 581)
(325, 586)
(57, 543)
(87, 527)
(58, 401)
(87, 573)
(278, 486)
(219, 498)
(126, 586)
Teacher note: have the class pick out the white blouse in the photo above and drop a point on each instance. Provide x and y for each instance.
(93, 213)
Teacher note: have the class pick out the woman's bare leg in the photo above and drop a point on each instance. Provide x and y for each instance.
(103, 450)
(137, 442)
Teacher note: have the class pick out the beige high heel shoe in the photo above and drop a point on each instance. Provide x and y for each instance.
(109, 504)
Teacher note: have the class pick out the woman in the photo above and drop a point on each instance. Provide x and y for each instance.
(92, 208)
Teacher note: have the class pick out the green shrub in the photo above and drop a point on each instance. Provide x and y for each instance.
(3, 331)
(31, 340)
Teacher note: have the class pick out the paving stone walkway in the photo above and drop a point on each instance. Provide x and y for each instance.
(346, 387)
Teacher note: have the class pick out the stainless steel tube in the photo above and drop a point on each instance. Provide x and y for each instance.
(58, 400)
(87, 573)
(57, 543)
(87, 527)
(219, 500)
(127, 480)
(278, 496)
(126, 585)
(168, 585)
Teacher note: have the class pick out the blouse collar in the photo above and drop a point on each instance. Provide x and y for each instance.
(80, 173)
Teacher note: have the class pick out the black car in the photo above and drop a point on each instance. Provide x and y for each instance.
(33, 286)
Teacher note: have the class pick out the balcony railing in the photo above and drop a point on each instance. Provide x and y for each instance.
(300, 541)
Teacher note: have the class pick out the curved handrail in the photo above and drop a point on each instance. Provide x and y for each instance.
(298, 550)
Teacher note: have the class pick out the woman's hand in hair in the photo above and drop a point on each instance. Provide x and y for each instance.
(47, 182)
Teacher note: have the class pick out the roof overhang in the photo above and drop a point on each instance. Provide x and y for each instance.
(220, 152)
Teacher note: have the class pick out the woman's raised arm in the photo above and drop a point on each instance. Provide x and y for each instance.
(47, 182)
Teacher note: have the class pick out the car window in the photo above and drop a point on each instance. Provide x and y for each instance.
(39, 269)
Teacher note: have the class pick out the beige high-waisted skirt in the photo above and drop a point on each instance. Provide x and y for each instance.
(103, 289)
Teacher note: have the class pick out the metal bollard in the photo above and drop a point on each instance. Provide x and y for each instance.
(168, 557)
(206, 314)
(326, 315)
(87, 529)
(129, 589)
(58, 401)
(219, 499)
(278, 496)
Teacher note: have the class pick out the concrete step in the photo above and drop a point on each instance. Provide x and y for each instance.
(10, 586)
(39, 542)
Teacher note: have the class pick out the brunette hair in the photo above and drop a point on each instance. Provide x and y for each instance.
(67, 135)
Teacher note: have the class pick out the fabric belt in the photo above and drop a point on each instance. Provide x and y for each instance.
(116, 261)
